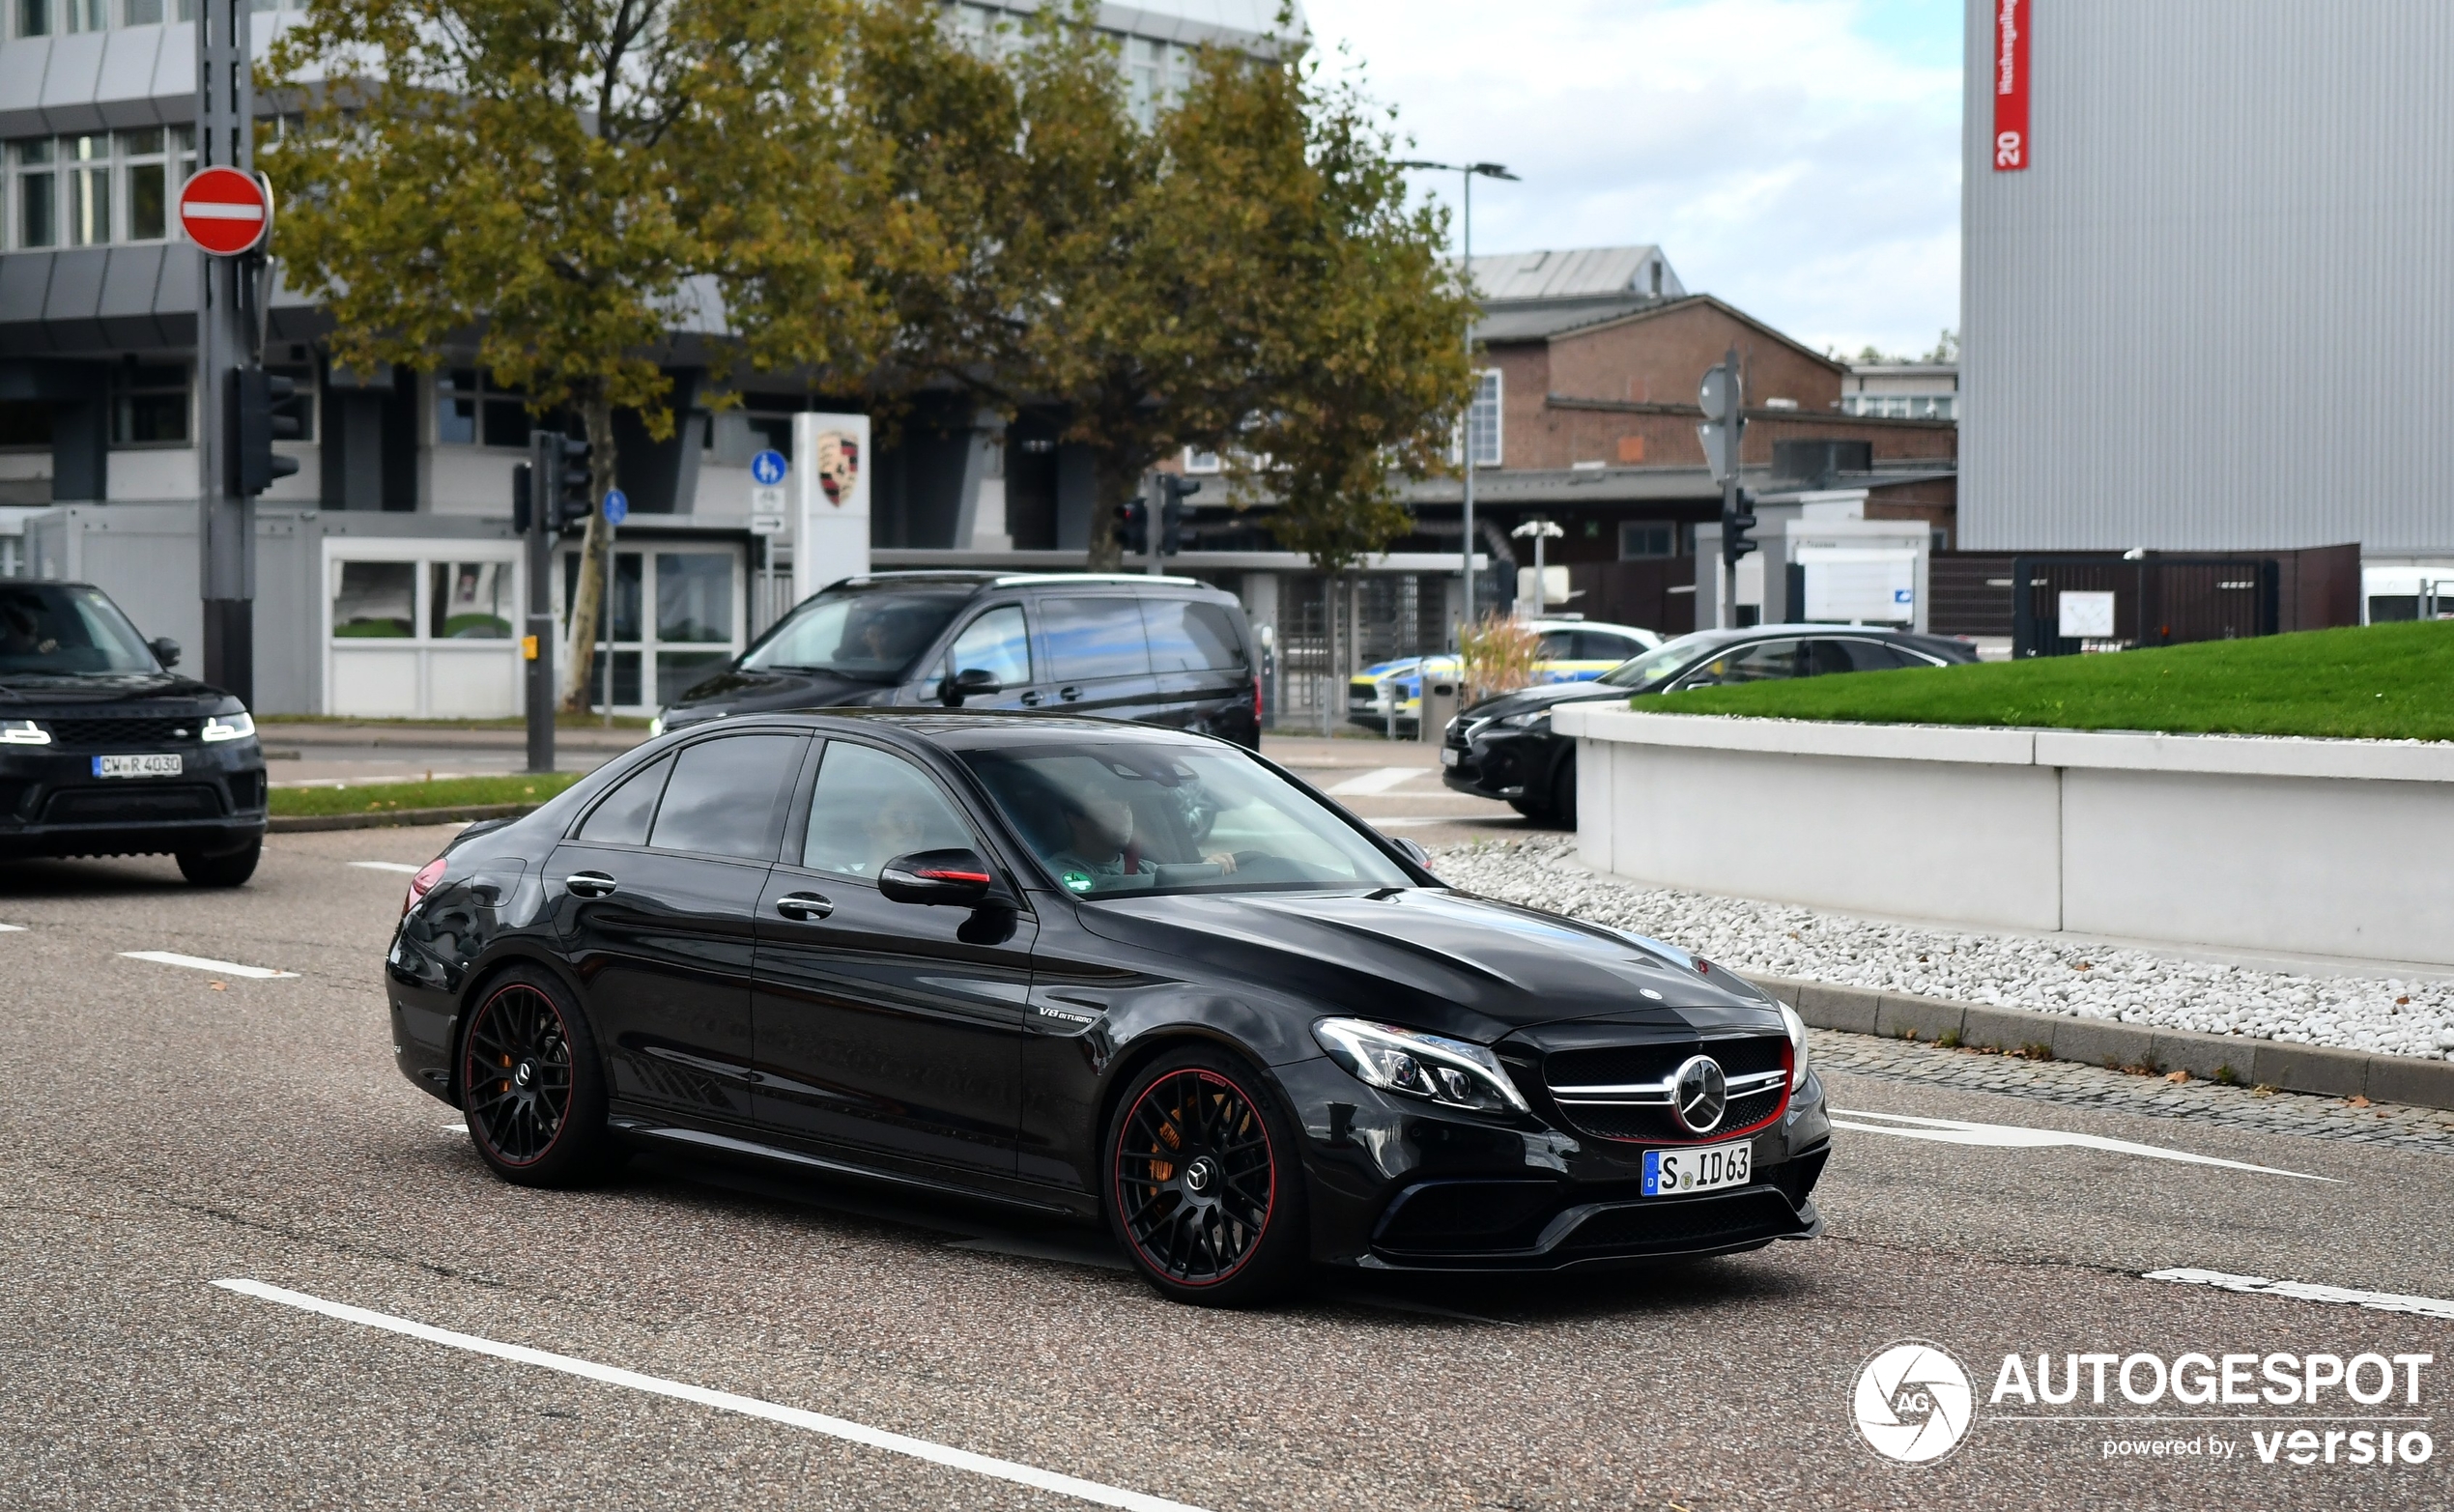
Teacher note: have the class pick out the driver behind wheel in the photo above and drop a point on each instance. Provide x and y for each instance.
(1101, 854)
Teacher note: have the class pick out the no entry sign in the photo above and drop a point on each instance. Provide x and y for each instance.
(225, 212)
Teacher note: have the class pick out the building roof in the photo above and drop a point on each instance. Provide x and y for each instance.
(1533, 320)
(1582, 272)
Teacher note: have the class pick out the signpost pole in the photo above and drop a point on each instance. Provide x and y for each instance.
(226, 537)
(545, 468)
(618, 508)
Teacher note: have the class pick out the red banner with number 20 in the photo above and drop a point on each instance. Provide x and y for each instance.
(2011, 85)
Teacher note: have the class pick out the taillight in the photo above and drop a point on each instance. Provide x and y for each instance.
(1256, 705)
(422, 883)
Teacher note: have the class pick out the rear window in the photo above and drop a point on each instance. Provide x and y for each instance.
(1191, 636)
(1090, 637)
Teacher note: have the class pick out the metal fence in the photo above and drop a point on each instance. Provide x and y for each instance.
(1380, 618)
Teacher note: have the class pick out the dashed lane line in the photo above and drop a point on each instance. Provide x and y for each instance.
(401, 867)
(2012, 1136)
(219, 969)
(2309, 1292)
(723, 1401)
(1379, 780)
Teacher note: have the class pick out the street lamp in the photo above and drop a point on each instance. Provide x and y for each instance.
(1470, 171)
(1541, 530)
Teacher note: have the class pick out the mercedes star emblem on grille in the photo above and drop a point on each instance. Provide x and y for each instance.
(1698, 1095)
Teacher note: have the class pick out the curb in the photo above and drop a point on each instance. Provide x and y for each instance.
(2099, 1042)
(388, 818)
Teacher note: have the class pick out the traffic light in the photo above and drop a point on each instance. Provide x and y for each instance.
(523, 511)
(562, 462)
(1133, 527)
(1735, 523)
(1171, 511)
(250, 427)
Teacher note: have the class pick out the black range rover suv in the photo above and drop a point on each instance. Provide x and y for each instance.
(1169, 651)
(106, 752)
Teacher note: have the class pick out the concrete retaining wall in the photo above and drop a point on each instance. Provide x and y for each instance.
(2333, 848)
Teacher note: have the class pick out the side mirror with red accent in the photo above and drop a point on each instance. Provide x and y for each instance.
(935, 876)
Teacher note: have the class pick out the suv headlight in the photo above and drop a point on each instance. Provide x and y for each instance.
(24, 732)
(1539, 718)
(1447, 1072)
(228, 727)
(1797, 1028)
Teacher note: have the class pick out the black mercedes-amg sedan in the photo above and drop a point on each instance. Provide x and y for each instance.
(104, 751)
(1093, 970)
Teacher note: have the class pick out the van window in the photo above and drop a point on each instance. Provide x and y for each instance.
(1191, 636)
(1090, 637)
(995, 642)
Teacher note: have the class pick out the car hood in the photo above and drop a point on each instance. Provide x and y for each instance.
(744, 691)
(1426, 958)
(21, 692)
(1542, 696)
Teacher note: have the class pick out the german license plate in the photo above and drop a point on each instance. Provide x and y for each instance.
(1448, 755)
(136, 766)
(1675, 1173)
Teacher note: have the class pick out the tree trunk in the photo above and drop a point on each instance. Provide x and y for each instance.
(587, 594)
(1116, 482)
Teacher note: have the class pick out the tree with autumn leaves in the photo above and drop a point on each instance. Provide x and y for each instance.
(850, 193)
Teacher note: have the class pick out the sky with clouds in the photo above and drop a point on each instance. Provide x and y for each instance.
(1798, 158)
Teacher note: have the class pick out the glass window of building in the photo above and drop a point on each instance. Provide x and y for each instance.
(470, 601)
(84, 16)
(1483, 419)
(375, 600)
(36, 187)
(471, 409)
(148, 405)
(147, 173)
(86, 165)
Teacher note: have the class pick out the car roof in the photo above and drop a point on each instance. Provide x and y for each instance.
(964, 729)
(981, 578)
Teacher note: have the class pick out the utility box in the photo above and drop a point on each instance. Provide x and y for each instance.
(1438, 707)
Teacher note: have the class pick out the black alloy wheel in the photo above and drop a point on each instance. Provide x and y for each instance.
(1205, 1193)
(529, 1084)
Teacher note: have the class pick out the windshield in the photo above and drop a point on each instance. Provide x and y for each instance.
(1659, 665)
(48, 627)
(863, 633)
(1118, 817)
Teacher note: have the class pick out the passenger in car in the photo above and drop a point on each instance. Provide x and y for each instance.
(1104, 857)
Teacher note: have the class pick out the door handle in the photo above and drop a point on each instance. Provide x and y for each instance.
(1031, 699)
(803, 906)
(589, 884)
(1068, 695)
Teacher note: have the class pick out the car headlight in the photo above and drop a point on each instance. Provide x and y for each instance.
(656, 727)
(1797, 1028)
(228, 727)
(1447, 1072)
(1540, 719)
(24, 732)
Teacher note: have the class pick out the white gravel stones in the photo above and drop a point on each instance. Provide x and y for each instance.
(2383, 1014)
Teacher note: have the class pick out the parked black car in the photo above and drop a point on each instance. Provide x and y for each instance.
(106, 752)
(1160, 650)
(1504, 747)
(1091, 970)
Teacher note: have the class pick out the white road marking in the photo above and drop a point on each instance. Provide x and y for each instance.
(219, 969)
(2010, 1136)
(1379, 780)
(455, 1128)
(2309, 1292)
(11, 928)
(401, 867)
(723, 1401)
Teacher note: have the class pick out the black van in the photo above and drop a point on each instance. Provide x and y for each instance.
(1163, 650)
(106, 752)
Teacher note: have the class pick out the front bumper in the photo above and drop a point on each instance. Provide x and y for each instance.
(1398, 1185)
(52, 804)
(1505, 764)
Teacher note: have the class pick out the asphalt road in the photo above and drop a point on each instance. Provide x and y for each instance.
(166, 1128)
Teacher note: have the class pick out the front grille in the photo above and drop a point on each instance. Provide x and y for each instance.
(1466, 1216)
(132, 731)
(132, 806)
(1692, 1223)
(1647, 1118)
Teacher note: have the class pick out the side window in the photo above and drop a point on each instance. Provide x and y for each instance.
(1092, 638)
(998, 642)
(1873, 656)
(722, 796)
(1558, 645)
(621, 817)
(870, 806)
(1189, 636)
(1601, 645)
(1761, 663)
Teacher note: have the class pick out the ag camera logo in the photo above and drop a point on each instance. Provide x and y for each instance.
(1914, 1402)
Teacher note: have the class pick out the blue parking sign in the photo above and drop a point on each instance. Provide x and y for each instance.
(769, 468)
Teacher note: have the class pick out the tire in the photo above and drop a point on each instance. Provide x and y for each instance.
(1227, 1228)
(531, 1084)
(1564, 792)
(1539, 812)
(228, 868)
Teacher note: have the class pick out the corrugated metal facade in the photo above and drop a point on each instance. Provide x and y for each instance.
(2217, 311)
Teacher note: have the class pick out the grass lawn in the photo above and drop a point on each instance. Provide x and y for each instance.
(2376, 682)
(451, 792)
